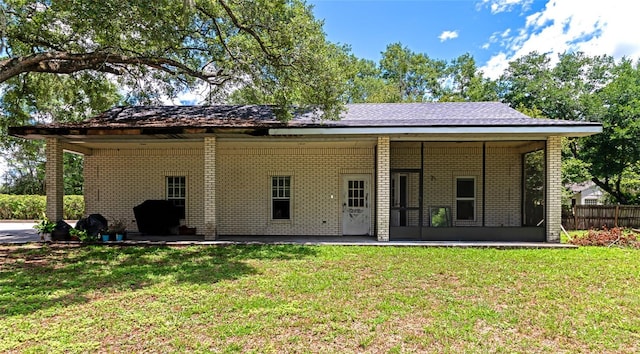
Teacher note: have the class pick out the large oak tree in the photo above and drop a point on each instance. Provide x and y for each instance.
(66, 60)
(156, 48)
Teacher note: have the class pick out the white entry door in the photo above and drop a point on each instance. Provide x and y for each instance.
(356, 205)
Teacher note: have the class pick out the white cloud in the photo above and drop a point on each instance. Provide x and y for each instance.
(564, 26)
(446, 35)
(498, 6)
(497, 36)
(495, 66)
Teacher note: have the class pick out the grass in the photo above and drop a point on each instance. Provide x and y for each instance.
(318, 299)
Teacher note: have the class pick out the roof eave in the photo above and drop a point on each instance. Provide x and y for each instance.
(551, 130)
(36, 132)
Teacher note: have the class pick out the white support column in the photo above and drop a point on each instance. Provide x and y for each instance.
(553, 209)
(383, 190)
(54, 184)
(210, 221)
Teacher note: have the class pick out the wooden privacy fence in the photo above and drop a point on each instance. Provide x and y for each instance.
(583, 217)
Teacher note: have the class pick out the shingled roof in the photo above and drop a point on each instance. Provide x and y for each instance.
(214, 118)
(355, 115)
(431, 114)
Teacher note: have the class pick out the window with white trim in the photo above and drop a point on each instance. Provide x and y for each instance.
(465, 198)
(281, 197)
(177, 192)
(591, 201)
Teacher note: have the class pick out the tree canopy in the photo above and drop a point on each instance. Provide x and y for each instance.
(159, 48)
(70, 59)
(406, 76)
(586, 88)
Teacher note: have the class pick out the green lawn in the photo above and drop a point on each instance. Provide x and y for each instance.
(318, 299)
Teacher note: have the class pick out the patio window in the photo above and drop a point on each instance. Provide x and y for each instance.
(281, 197)
(465, 198)
(177, 192)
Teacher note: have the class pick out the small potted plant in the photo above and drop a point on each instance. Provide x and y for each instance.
(81, 235)
(118, 228)
(45, 228)
(105, 235)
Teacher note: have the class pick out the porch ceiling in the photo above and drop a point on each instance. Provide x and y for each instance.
(86, 144)
(534, 144)
(132, 144)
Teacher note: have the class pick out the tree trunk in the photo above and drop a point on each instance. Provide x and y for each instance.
(614, 192)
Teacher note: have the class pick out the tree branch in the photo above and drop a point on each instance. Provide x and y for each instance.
(609, 189)
(246, 29)
(218, 31)
(67, 63)
(573, 146)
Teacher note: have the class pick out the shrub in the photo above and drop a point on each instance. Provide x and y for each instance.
(607, 237)
(30, 207)
(82, 236)
(73, 207)
(45, 226)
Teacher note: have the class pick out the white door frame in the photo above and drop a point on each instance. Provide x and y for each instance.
(356, 209)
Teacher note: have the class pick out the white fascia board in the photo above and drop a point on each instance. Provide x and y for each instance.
(579, 130)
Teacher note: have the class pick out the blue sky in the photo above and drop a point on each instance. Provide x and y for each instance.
(493, 31)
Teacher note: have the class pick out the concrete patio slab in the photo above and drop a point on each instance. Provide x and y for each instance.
(23, 232)
(18, 232)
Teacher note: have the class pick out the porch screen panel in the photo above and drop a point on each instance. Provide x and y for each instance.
(533, 188)
(405, 199)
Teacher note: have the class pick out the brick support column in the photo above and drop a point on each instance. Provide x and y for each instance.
(383, 190)
(54, 185)
(553, 209)
(210, 221)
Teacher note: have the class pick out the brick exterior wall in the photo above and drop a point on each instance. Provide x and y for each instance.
(553, 217)
(383, 197)
(54, 179)
(209, 189)
(229, 182)
(116, 180)
(316, 169)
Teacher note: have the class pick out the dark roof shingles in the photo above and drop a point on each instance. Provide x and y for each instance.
(185, 116)
(356, 115)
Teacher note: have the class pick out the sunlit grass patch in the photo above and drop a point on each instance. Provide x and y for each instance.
(318, 299)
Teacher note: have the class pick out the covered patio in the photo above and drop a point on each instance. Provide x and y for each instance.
(490, 190)
(466, 171)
